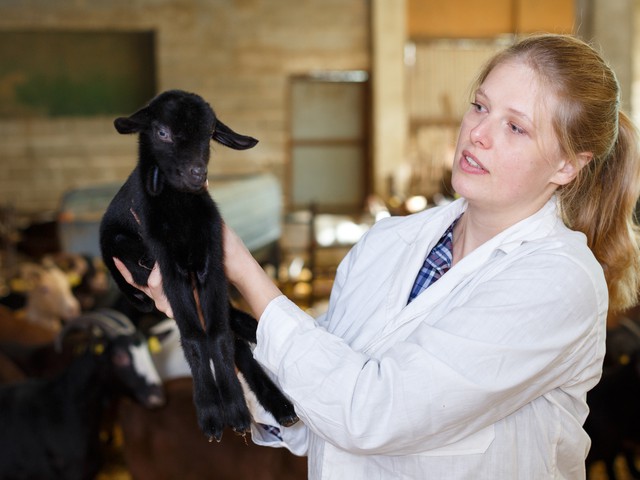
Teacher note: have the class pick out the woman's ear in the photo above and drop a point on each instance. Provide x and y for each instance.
(569, 169)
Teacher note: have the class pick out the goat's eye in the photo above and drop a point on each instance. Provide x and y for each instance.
(164, 134)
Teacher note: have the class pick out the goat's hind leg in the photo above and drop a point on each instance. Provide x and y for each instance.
(206, 396)
(215, 308)
(243, 325)
(268, 394)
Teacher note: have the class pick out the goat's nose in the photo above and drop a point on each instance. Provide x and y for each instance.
(199, 174)
(198, 171)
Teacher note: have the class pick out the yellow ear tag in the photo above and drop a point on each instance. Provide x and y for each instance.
(624, 359)
(98, 349)
(19, 285)
(154, 345)
(74, 279)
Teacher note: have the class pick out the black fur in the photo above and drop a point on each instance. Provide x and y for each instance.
(164, 214)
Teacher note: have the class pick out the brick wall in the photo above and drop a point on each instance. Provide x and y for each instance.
(238, 54)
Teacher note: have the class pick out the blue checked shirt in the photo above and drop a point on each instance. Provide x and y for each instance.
(436, 264)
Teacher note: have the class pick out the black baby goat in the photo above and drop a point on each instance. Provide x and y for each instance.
(164, 214)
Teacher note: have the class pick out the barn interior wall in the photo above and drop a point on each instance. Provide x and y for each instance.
(238, 54)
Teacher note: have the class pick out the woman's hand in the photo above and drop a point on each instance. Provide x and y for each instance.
(242, 270)
(153, 289)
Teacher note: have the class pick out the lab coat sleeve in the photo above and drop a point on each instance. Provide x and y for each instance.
(531, 328)
(341, 276)
(265, 430)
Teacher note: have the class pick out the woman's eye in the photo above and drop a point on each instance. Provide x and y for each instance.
(516, 129)
(477, 107)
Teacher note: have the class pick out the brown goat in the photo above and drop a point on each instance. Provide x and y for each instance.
(49, 303)
(166, 444)
(50, 300)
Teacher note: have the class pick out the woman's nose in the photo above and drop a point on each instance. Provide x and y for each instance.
(480, 133)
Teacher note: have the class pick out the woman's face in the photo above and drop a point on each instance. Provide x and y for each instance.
(507, 159)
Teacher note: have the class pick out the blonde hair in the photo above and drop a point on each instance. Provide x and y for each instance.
(601, 200)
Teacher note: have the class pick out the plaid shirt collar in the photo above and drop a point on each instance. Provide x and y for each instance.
(436, 264)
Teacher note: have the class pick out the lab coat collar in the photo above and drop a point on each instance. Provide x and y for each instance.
(433, 219)
(422, 234)
(438, 219)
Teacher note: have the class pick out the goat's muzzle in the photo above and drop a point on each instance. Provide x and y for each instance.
(198, 174)
(194, 178)
(154, 398)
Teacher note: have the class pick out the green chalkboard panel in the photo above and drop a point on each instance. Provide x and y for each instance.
(75, 73)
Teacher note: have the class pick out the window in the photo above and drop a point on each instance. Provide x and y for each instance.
(75, 73)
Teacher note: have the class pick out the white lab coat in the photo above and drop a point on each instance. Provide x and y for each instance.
(483, 376)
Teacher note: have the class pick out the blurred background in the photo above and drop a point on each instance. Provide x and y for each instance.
(356, 104)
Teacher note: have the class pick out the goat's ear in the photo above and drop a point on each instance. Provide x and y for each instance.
(227, 137)
(134, 123)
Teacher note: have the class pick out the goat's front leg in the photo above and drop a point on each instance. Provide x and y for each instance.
(206, 395)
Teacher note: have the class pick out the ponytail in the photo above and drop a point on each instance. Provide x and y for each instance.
(601, 200)
(601, 203)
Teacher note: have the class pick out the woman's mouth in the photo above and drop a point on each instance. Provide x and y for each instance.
(470, 164)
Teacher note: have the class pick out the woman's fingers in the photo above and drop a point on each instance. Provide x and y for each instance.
(156, 291)
(154, 288)
(126, 274)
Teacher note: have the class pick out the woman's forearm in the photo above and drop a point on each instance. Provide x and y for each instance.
(246, 274)
(255, 286)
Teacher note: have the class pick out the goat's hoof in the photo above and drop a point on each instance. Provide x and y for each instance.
(239, 420)
(289, 421)
(213, 433)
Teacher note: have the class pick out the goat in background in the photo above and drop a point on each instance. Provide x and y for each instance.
(49, 303)
(49, 298)
(51, 426)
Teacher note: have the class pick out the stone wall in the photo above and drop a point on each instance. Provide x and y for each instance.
(238, 54)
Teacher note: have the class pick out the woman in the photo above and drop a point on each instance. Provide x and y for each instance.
(476, 362)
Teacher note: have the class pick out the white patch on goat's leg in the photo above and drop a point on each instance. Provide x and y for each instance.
(257, 411)
(213, 369)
